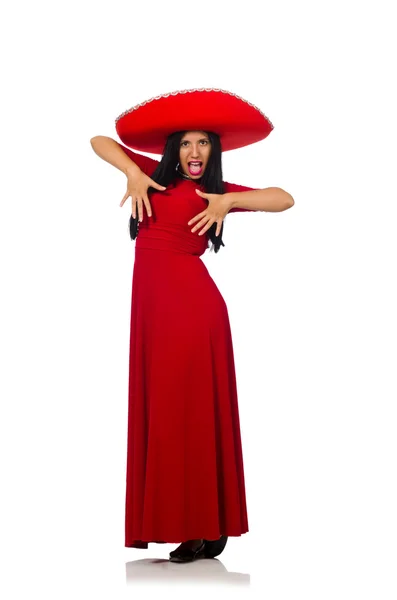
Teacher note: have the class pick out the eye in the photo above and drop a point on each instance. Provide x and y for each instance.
(185, 142)
(204, 141)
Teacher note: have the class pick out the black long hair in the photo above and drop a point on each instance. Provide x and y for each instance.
(211, 181)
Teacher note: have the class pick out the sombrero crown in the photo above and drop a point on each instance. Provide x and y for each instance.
(146, 126)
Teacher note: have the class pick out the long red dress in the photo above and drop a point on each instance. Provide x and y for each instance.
(185, 475)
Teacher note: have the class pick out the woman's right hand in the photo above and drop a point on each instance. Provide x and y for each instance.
(138, 184)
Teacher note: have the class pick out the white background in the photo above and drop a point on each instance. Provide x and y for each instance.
(310, 291)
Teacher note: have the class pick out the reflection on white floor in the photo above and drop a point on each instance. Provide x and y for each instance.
(202, 571)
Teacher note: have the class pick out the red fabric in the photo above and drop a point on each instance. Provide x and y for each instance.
(185, 473)
(234, 187)
(148, 166)
(236, 121)
(145, 163)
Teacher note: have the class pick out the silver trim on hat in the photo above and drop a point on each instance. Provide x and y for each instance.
(193, 90)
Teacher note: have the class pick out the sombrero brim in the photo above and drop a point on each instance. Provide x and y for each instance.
(146, 126)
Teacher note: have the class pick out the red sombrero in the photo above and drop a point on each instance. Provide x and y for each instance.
(146, 126)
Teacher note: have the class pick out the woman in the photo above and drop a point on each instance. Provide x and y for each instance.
(185, 475)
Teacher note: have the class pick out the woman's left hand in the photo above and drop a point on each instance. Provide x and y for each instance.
(218, 207)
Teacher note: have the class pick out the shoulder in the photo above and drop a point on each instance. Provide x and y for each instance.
(145, 163)
(236, 187)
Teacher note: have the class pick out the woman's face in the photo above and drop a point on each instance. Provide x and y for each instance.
(194, 152)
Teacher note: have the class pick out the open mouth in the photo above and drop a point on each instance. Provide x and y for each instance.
(195, 167)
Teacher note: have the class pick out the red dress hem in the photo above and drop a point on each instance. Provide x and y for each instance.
(144, 544)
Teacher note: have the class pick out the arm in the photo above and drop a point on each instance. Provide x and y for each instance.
(121, 157)
(243, 198)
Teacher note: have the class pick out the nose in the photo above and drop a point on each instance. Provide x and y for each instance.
(195, 151)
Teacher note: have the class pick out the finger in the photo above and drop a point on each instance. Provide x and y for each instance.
(148, 207)
(126, 195)
(133, 207)
(196, 218)
(200, 224)
(140, 209)
(209, 224)
(218, 229)
(158, 186)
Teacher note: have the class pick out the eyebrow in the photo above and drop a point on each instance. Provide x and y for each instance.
(203, 138)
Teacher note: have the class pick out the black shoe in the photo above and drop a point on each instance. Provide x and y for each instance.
(187, 555)
(215, 547)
